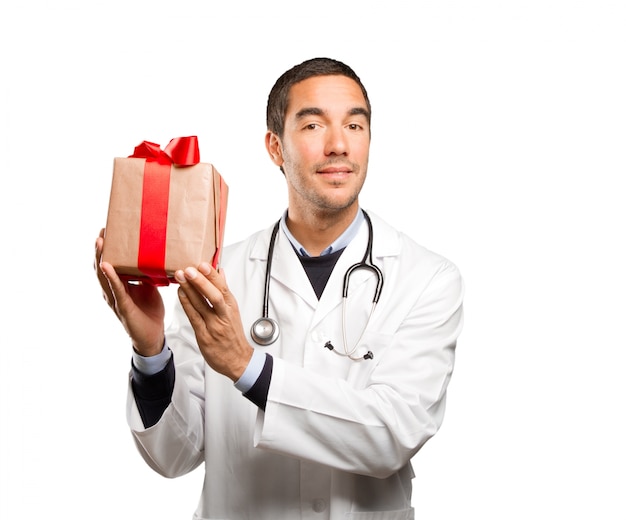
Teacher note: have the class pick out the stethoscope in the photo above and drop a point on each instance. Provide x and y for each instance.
(265, 330)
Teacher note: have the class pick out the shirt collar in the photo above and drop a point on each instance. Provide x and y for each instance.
(342, 241)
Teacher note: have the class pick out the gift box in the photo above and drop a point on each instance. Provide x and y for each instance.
(167, 211)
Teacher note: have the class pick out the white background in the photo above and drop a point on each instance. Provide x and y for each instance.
(498, 141)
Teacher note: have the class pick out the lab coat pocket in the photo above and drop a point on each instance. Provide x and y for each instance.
(375, 344)
(403, 514)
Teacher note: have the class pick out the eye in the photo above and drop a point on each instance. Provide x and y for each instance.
(311, 126)
(355, 126)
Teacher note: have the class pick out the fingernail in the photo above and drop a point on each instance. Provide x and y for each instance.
(204, 268)
(191, 272)
(180, 276)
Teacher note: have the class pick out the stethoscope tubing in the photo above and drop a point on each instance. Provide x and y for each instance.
(265, 330)
(364, 264)
(268, 271)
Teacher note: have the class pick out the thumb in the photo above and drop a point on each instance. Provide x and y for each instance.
(118, 289)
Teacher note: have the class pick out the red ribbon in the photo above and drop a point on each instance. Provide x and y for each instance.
(181, 151)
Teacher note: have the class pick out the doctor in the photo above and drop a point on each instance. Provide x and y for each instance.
(315, 411)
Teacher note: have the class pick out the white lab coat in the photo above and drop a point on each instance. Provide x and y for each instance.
(337, 435)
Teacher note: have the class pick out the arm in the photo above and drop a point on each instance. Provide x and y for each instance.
(371, 426)
(152, 383)
(174, 446)
(375, 423)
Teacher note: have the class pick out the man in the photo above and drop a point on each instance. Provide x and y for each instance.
(322, 421)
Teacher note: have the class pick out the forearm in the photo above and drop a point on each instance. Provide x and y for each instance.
(153, 392)
(376, 419)
(153, 384)
(174, 445)
(372, 431)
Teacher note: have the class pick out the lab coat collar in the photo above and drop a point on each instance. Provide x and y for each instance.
(288, 271)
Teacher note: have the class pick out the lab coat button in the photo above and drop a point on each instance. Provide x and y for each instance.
(319, 505)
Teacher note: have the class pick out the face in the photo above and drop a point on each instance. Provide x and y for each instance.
(325, 147)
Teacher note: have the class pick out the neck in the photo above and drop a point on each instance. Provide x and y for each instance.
(316, 231)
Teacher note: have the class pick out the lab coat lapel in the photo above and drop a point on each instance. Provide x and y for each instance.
(333, 293)
(386, 244)
(288, 271)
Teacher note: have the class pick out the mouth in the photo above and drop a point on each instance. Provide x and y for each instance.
(335, 170)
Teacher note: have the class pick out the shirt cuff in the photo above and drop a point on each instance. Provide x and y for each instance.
(252, 372)
(151, 365)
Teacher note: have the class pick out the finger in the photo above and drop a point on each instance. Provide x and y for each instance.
(102, 279)
(195, 318)
(207, 281)
(98, 252)
(218, 280)
(199, 291)
(117, 290)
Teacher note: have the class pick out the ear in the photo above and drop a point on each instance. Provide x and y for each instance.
(274, 148)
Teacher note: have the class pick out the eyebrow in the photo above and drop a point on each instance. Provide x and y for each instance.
(359, 111)
(310, 111)
(314, 111)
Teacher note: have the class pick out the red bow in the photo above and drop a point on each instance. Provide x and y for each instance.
(181, 151)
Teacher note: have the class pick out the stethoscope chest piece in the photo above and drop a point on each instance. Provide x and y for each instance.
(264, 331)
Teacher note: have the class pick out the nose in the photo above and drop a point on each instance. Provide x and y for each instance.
(336, 141)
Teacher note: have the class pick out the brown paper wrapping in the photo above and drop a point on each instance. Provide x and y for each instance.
(194, 229)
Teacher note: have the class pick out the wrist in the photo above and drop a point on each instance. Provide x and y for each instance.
(238, 368)
(149, 350)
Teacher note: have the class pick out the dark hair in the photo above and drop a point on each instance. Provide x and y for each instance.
(278, 99)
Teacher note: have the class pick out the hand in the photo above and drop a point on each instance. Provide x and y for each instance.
(138, 306)
(214, 315)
